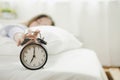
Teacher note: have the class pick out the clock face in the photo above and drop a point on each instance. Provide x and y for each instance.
(33, 56)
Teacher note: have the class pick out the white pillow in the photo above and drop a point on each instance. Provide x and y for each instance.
(58, 40)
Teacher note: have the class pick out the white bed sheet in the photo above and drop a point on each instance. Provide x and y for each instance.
(77, 64)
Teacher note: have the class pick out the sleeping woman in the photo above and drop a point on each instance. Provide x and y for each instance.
(17, 32)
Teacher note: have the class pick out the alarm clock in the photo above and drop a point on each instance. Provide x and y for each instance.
(33, 55)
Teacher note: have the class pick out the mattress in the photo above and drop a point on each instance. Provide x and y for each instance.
(76, 64)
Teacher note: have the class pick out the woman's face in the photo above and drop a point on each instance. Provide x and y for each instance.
(41, 21)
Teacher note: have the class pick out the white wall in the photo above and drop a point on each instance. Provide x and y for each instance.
(95, 23)
(114, 32)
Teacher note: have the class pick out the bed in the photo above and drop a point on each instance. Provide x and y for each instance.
(67, 60)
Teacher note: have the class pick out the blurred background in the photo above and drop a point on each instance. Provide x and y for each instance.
(96, 23)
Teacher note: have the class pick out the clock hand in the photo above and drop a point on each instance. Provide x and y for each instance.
(34, 52)
(32, 59)
(33, 55)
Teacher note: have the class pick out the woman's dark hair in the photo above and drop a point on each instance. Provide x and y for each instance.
(40, 16)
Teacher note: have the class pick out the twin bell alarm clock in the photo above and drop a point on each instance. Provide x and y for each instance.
(33, 55)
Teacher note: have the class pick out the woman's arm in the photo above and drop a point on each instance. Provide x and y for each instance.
(19, 37)
(12, 30)
(15, 32)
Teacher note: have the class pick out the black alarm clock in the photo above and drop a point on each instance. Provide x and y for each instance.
(33, 55)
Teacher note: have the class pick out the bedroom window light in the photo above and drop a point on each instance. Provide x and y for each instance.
(7, 10)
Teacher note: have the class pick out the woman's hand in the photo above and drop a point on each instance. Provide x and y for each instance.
(19, 37)
(32, 35)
